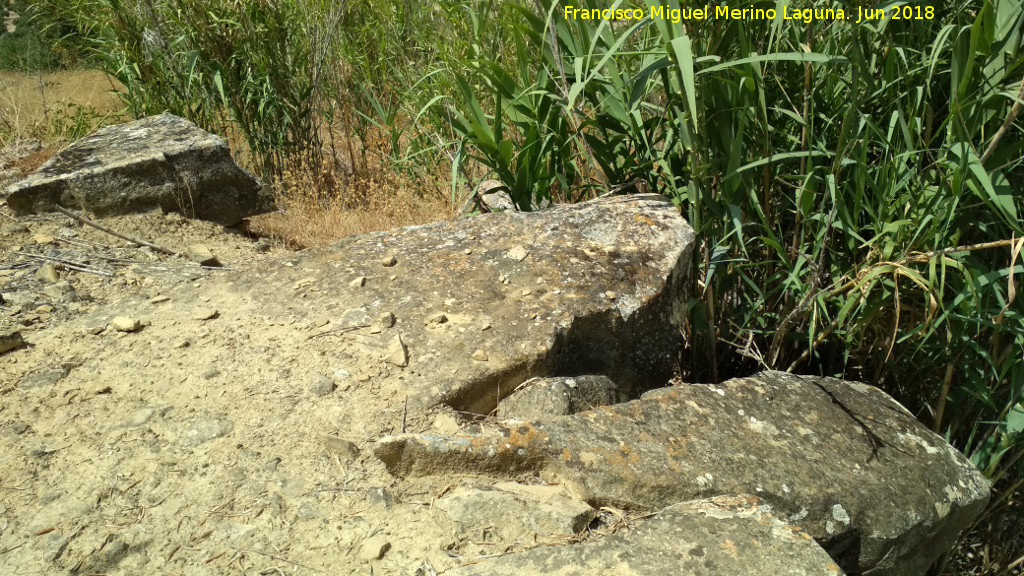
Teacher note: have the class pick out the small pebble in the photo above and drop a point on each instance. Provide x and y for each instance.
(480, 356)
(437, 319)
(322, 386)
(358, 282)
(389, 261)
(206, 314)
(126, 324)
(611, 295)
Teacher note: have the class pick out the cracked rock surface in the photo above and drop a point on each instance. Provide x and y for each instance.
(842, 460)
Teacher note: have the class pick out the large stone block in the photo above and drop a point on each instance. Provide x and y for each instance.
(842, 460)
(483, 304)
(163, 162)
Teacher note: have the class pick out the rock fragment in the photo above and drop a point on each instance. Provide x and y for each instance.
(126, 324)
(48, 273)
(206, 314)
(10, 340)
(513, 515)
(202, 255)
(202, 431)
(560, 396)
(397, 353)
(322, 386)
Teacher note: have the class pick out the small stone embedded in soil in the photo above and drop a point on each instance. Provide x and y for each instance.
(159, 299)
(211, 373)
(322, 386)
(374, 548)
(126, 324)
(95, 329)
(202, 255)
(389, 261)
(206, 314)
(480, 356)
(202, 431)
(380, 497)
(387, 320)
(138, 418)
(48, 273)
(308, 511)
(10, 340)
(517, 253)
(358, 282)
(397, 352)
(611, 295)
(346, 449)
(437, 319)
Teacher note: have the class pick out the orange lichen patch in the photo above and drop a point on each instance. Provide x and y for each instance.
(730, 547)
(566, 455)
(832, 567)
(644, 220)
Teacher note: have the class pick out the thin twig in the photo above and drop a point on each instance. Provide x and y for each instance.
(338, 330)
(70, 264)
(102, 228)
(405, 412)
(275, 558)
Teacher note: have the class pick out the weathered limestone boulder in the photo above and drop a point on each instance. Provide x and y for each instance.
(479, 306)
(726, 535)
(842, 460)
(558, 396)
(161, 162)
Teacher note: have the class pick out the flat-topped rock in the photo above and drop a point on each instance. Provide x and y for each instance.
(842, 460)
(159, 162)
(481, 305)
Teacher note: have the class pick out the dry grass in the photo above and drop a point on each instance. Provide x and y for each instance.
(316, 208)
(35, 105)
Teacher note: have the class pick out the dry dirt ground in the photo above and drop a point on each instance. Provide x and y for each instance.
(109, 466)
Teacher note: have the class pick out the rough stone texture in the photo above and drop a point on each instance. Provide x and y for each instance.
(161, 162)
(529, 296)
(844, 461)
(514, 511)
(559, 396)
(10, 340)
(734, 535)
